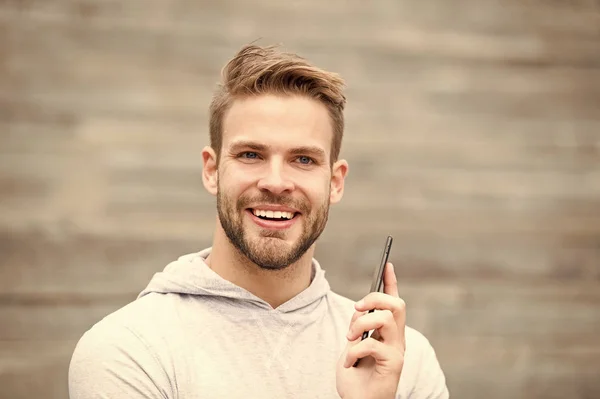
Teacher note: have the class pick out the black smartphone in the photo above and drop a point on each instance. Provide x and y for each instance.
(377, 281)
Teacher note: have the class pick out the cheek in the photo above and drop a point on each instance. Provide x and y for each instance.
(317, 192)
(234, 181)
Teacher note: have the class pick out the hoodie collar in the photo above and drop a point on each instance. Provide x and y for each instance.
(190, 275)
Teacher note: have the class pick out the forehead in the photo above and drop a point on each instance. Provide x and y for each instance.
(280, 121)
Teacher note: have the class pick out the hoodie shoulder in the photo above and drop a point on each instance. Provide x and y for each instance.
(112, 359)
(422, 372)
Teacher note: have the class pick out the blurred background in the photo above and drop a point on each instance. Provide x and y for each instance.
(473, 137)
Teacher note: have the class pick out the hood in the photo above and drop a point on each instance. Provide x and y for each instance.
(190, 275)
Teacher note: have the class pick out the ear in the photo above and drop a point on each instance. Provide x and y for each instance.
(210, 174)
(338, 176)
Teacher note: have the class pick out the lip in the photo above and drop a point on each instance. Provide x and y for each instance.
(272, 225)
(280, 208)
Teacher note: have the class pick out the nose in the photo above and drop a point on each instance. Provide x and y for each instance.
(275, 180)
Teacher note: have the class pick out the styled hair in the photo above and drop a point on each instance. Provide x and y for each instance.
(257, 70)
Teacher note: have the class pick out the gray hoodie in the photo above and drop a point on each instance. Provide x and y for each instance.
(193, 334)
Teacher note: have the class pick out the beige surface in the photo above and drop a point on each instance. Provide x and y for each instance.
(473, 136)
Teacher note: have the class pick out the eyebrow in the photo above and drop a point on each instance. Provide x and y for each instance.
(243, 144)
(315, 151)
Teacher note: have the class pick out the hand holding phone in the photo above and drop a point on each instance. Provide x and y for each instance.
(377, 280)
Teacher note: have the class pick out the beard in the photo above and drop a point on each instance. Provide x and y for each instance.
(269, 251)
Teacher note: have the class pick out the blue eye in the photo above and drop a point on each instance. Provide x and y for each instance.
(305, 160)
(249, 155)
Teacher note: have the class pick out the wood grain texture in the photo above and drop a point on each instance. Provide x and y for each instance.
(34, 368)
(473, 137)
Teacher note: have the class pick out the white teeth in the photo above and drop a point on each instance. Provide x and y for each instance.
(273, 214)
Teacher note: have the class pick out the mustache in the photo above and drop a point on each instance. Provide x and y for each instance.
(274, 199)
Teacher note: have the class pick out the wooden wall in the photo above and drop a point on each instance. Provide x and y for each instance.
(473, 136)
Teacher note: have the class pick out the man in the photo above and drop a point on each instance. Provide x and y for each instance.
(253, 316)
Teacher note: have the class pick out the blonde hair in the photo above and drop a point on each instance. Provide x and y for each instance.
(256, 70)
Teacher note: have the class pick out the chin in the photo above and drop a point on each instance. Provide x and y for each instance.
(272, 253)
(272, 241)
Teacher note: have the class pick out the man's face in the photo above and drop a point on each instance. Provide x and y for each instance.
(275, 180)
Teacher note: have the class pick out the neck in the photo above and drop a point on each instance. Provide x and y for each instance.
(273, 286)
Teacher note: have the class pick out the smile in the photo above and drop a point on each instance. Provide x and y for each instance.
(273, 219)
(273, 215)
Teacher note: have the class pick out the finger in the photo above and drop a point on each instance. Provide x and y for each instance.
(390, 282)
(380, 301)
(401, 334)
(371, 347)
(383, 322)
(356, 315)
